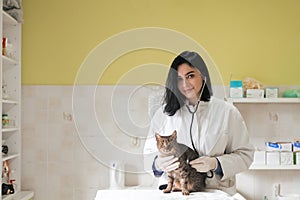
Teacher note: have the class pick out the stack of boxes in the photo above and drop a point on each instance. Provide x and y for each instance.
(279, 153)
(237, 90)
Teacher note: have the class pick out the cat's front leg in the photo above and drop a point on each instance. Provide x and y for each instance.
(170, 184)
(184, 186)
(184, 177)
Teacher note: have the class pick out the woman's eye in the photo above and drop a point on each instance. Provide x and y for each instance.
(179, 79)
(190, 76)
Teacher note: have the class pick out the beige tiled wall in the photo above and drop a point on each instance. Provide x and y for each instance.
(58, 157)
(68, 140)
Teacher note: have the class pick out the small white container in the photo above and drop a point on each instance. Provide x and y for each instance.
(259, 158)
(273, 158)
(297, 158)
(236, 89)
(255, 93)
(271, 92)
(286, 158)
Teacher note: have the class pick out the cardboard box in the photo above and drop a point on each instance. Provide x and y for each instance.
(296, 146)
(285, 146)
(272, 92)
(236, 89)
(272, 146)
(273, 158)
(259, 157)
(286, 158)
(279, 146)
(255, 93)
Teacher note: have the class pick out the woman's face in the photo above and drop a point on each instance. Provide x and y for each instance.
(189, 82)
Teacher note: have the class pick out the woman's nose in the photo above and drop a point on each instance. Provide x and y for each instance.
(185, 83)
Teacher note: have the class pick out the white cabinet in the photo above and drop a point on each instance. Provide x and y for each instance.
(270, 120)
(10, 74)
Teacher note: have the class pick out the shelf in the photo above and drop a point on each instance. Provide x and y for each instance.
(9, 101)
(9, 61)
(263, 100)
(23, 195)
(274, 167)
(10, 74)
(7, 19)
(9, 129)
(9, 157)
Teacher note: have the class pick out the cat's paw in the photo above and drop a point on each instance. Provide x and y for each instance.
(167, 190)
(185, 192)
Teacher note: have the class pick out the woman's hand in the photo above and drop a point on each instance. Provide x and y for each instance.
(204, 163)
(166, 163)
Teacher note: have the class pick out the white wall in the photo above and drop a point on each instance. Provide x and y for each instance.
(71, 133)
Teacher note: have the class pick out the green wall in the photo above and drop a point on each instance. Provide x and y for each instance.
(256, 38)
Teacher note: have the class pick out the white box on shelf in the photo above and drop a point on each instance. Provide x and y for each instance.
(286, 146)
(272, 92)
(286, 158)
(279, 146)
(255, 93)
(272, 146)
(273, 158)
(259, 158)
(236, 89)
(296, 146)
(297, 158)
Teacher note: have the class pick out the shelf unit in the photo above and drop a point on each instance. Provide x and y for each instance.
(264, 100)
(270, 104)
(10, 97)
(274, 167)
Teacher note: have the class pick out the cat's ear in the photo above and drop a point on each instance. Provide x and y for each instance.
(157, 136)
(174, 134)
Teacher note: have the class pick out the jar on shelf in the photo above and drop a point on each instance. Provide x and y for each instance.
(5, 120)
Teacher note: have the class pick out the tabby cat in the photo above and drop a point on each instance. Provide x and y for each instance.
(185, 178)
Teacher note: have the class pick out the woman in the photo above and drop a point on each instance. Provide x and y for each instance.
(213, 128)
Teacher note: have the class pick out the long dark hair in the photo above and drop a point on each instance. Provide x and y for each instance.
(173, 98)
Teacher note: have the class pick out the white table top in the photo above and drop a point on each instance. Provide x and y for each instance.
(154, 194)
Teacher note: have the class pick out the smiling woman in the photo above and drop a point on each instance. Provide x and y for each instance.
(213, 128)
(189, 83)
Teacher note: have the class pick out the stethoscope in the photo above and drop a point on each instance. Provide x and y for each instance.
(192, 120)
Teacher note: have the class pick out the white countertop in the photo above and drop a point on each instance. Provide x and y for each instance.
(154, 194)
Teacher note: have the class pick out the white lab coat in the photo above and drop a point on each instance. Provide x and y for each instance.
(218, 130)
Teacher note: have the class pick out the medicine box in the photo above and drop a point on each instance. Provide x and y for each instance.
(271, 92)
(236, 89)
(297, 158)
(259, 157)
(255, 93)
(286, 146)
(272, 146)
(286, 158)
(279, 146)
(273, 157)
(296, 146)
